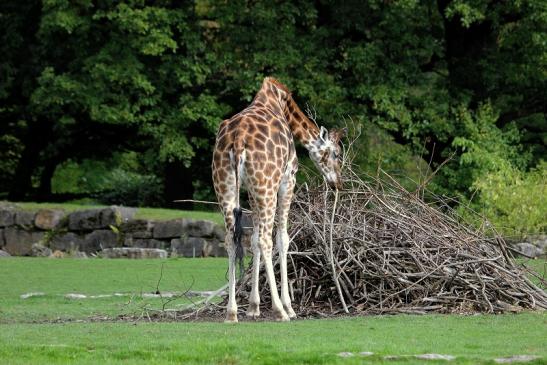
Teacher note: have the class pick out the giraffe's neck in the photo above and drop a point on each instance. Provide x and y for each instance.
(277, 97)
(302, 128)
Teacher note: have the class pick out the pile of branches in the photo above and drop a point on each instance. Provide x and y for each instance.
(375, 248)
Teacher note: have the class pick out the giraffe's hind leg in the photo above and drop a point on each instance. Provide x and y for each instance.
(226, 194)
(285, 195)
(231, 308)
(254, 299)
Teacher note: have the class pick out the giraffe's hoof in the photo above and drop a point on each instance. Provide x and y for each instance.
(231, 318)
(282, 316)
(253, 311)
(290, 312)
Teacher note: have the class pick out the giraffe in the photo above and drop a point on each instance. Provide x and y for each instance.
(255, 148)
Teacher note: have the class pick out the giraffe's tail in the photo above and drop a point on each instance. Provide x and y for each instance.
(239, 161)
(238, 232)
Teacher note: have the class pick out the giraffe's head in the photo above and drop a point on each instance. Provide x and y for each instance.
(325, 153)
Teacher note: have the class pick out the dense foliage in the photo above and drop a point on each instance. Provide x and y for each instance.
(86, 86)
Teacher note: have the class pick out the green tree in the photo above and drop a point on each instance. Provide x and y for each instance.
(84, 80)
(109, 77)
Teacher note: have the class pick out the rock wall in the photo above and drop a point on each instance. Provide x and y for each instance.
(534, 246)
(113, 232)
(108, 232)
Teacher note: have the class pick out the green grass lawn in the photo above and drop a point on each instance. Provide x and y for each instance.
(143, 213)
(539, 266)
(472, 339)
(55, 278)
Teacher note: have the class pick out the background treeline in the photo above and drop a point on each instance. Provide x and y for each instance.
(120, 101)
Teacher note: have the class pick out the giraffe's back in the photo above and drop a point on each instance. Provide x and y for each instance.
(264, 140)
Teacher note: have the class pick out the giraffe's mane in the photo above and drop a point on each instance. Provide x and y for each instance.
(277, 83)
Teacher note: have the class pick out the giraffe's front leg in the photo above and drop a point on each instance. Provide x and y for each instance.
(282, 240)
(277, 307)
(254, 299)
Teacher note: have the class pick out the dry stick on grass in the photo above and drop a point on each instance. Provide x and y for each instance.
(164, 313)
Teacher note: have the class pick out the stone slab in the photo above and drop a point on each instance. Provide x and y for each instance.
(217, 248)
(24, 218)
(145, 243)
(88, 220)
(48, 218)
(219, 233)
(174, 228)
(134, 253)
(200, 228)
(99, 240)
(7, 217)
(137, 228)
(247, 220)
(529, 249)
(19, 242)
(192, 247)
(67, 242)
(516, 359)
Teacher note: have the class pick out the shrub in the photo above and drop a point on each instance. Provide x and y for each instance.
(118, 180)
(514, 201)
(131, 189)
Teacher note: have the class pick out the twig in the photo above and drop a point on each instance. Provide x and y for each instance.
(331, 256)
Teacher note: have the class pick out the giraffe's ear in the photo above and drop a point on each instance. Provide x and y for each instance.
(337, 134)
(324, 134)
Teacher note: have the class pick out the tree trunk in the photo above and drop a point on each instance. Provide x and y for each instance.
(44, 191)
(465, 48)
(36, 140)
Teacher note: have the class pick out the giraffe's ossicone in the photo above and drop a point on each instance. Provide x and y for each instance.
(255, 149)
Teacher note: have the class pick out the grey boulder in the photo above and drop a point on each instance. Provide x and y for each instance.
(48, 218)
(7, 217)
(19, 242)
